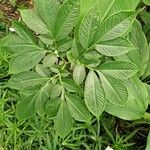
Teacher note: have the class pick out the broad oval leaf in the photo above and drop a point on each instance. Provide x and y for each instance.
(79, 74)
(135, 36)
(52, 107)
(147, 2)
(104, 8)
(14, 44)
(78, 108)
(115, 91)
(109, 7)
(63, 121)
(88, 28)
(74, 53)
(133, 57)
(56, 91)
(49, 60)
(41, 99)
(25, 61)
(47, 10)
(115, 47)
(41, 70)
(70, 85)
(115, 26)
(24, 32)
(26, 79)
(94, 94)
(136, 104)
(64, 45)
(66, 18)
(34, 22)
(119, 69)
(26, 108)
(30, 90)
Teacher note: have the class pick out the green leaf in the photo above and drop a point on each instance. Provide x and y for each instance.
(91, 55)
(118, 69)
(91, 63)
(25, 108)
(133, 57)
(79, 74)
(24, 32)
(65, 46)
(14, 44)
(49, 60)
(29, 90)
(136, 103)
(136, 35)
(56, 91)
(110, 7)
(46, 39)
(70, 85)
(147, 71)
(86, 5)
(104, 8)
(25, 61)
(94, 95)
(47, 11)
(34, 22)
(26, 79)
(41, 70)
(78, 108)
(148, 90)
(115, 47)
(25, 49)
(63, 121)
(147, 2)
(52, 107)
(115, 91)
(115, 26)
(88, 28)
(148, 142)
(66, 19)
(73, 54)
(41, 100)
(145, 17)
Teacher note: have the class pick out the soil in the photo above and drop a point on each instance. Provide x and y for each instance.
(9, 12)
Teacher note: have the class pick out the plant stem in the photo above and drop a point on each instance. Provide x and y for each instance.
(98, 127)
(98, 134)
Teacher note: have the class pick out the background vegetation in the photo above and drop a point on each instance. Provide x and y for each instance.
(38, 133)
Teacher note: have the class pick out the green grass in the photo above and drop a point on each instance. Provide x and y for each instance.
(38, 133)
